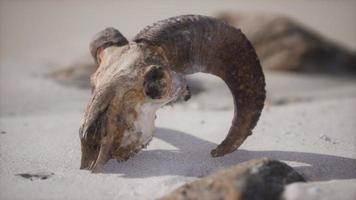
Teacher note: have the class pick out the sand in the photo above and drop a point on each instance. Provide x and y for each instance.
(309, 120)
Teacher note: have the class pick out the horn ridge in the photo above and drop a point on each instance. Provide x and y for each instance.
(195, 43)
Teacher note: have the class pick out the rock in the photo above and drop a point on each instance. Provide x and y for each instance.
(330, 190)
(284, 44)
(34, 176)
(77, 75)
(254, 179)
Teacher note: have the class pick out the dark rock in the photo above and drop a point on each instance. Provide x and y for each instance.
(253, 180)
(284, 44)
(290, 99)
(34, 176)
(76, 75)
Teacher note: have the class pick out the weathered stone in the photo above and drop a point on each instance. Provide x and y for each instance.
(331, 190)
(254, 179)
(284, 44)
(77, 75)
(34, 176)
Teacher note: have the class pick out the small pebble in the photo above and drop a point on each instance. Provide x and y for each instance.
(324, 137)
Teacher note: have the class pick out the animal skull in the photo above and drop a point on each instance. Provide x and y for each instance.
(134, 79)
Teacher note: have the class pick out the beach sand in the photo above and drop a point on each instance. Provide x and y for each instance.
(309, 121)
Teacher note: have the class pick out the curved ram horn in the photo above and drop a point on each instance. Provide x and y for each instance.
(105, 38)
(194, 43)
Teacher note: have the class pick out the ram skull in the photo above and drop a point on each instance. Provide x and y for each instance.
(134, 79)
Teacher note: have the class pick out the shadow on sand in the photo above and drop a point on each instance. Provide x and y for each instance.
(192, 159)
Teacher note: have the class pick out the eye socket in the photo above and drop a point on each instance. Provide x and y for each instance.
(155, 82)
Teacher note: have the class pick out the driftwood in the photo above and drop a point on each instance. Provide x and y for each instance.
(282, 43)
(251, 180)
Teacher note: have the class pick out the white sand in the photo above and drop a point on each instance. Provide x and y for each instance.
(39, 119)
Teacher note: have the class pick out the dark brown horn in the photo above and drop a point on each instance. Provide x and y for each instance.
(194, 43)
(105, 38)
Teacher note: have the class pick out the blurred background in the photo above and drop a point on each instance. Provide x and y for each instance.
(306, 47)
(38, 38)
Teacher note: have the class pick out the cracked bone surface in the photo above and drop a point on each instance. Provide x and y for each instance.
(134, 79)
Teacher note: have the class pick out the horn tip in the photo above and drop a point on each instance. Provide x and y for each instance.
(221, 150)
